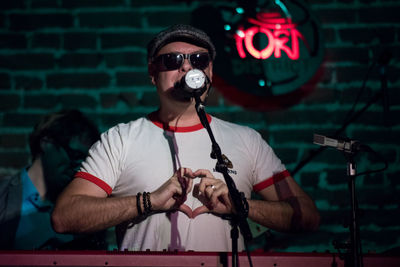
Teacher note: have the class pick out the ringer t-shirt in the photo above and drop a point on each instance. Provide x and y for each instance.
(142, 154)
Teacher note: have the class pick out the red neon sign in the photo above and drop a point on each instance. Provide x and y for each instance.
(278, 31)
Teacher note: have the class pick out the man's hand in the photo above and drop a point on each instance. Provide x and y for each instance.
(213, 193)
(172, 194)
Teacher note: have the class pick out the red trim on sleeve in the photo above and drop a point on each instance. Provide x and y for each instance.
(95, 180)
(271, 180)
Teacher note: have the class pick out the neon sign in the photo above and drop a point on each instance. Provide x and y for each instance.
(278, 31)
(269, 54)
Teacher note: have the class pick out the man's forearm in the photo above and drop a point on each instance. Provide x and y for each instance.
(271, 214)
(285, 216)
(82, 214)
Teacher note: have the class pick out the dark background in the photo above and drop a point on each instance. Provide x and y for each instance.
(91, 55)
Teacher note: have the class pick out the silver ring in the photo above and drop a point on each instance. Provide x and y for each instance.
(213, 187)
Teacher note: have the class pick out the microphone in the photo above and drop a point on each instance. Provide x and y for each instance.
(193, 82)
(346, 145)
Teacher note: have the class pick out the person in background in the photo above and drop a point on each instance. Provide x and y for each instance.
(154, 178)
(58, 145)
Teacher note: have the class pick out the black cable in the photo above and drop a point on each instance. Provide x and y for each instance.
(360, 91)
(352, 115)
(248, 254)
(370, 150)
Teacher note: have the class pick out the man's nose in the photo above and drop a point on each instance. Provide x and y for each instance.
(186, 66)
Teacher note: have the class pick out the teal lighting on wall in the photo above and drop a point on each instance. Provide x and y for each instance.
(239, 10)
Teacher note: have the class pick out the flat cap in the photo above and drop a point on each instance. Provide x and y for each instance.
(182, 33)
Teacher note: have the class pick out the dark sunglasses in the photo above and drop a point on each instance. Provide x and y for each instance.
(173, 61)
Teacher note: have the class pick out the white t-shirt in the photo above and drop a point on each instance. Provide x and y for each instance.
(141, 155)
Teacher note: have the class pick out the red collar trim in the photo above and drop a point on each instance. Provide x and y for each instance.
(153, 117)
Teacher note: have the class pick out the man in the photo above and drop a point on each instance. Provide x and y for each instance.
(58, 144)
(168, 154)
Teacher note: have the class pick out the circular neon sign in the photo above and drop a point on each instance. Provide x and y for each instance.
(271, 59)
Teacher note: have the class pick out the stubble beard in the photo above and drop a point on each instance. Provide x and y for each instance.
(180, 95)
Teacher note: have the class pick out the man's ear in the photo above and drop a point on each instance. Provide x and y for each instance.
(151, 68)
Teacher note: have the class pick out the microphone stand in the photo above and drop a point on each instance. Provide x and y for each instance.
(238, 199)
(355, 249)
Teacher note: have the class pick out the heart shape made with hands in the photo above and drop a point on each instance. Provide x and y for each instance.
(204, 192)
(212, 193)
(206, 207)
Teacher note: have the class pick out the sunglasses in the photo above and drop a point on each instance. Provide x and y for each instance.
(173, 61)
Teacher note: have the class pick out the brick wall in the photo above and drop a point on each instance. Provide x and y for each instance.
(91, 55)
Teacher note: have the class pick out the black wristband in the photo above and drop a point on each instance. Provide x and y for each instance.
(138, 206)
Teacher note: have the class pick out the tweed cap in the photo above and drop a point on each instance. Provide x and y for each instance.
(180, 32)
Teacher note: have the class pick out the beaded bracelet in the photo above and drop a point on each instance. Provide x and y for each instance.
(138, 206)
(149, 207)
(147, 203)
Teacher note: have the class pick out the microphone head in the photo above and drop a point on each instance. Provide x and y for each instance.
(195, 80)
